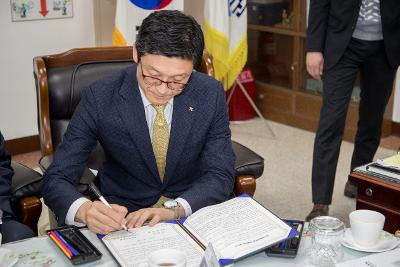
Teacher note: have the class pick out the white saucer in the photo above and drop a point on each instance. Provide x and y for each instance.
(7, 257)
(386, 242)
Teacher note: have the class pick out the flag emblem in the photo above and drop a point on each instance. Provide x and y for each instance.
(151, 4)
(130, 14)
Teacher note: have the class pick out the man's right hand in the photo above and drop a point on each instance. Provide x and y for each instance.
(315, 64)
(101, 219)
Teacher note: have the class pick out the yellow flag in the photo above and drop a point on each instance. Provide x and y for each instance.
(225, 34)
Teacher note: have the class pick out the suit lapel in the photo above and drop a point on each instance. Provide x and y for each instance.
(182, 118)
(130, 106)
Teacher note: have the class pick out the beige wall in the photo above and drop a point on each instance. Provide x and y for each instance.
(195, 8)
(20, 42)
(104, 13)
(92, 24)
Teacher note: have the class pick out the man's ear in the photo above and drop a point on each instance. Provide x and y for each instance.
(134, 54)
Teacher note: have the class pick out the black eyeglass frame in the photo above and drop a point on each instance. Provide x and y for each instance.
(158, 82)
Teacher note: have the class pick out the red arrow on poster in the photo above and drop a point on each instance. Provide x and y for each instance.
(43, 8)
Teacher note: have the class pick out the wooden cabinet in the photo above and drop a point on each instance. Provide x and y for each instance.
(379, 195)
(276, 55)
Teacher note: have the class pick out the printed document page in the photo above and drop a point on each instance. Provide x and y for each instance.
(130, 248)
(237, 227)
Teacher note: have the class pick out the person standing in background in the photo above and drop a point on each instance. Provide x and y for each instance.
(346, 38)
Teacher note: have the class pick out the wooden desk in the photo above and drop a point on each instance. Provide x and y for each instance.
(379, 195)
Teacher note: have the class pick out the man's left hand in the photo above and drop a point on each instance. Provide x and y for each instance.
(153, 215)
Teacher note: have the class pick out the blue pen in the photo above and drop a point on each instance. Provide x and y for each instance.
(65, 243)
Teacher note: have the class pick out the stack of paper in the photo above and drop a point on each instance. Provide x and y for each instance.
(391, 162)
(388, 168)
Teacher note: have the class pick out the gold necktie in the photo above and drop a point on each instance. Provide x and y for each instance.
(160, 139)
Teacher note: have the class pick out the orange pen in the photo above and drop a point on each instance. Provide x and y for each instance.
(61, 246)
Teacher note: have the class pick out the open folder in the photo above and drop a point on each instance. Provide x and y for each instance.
(237, 228)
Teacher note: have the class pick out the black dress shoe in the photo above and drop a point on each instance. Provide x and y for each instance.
(318, 210)
(350, 190)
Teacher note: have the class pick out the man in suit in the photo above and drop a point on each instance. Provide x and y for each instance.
(10, 228)
(346, 38)
(165, 131)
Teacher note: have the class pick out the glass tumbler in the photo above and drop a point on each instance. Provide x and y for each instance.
(327, 234)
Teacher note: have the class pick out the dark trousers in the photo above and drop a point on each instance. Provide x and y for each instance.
(377, 75)
(12, 230)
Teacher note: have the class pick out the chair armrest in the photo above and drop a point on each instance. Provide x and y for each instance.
(25, 181)
(86, 178)
(247, 161)
(30, 209)
(248, 167)
(25, 195)
(245, 184)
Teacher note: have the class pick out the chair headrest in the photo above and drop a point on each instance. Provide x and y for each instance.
(66, 83)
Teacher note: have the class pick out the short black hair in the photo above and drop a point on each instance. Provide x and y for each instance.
(171, 33)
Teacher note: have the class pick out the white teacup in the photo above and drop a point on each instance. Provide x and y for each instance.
(366, 226)
(166, 257)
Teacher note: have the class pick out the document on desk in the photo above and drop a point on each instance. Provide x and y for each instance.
(132, 248)
(385, 259)
(237, 228)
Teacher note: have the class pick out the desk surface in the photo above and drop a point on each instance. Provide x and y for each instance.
(40, 251)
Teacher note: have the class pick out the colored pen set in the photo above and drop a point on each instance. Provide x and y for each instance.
(68, 250)
(289, 247)
(75, 246)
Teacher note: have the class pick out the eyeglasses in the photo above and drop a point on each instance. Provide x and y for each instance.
(153, 81)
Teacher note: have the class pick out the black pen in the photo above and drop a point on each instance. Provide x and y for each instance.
(102, 199)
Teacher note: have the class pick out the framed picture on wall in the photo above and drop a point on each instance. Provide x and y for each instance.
(23, 10)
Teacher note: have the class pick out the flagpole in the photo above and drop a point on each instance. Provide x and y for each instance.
(230, 95)
(251, 102)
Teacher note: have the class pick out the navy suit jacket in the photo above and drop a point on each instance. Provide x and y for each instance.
(332, 22)
(200, 159)
(6, 174)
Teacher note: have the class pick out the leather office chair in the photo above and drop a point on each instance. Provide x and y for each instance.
(59, 80)
(25, 195)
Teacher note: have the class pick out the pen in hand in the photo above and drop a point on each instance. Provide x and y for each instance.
(96, 191)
